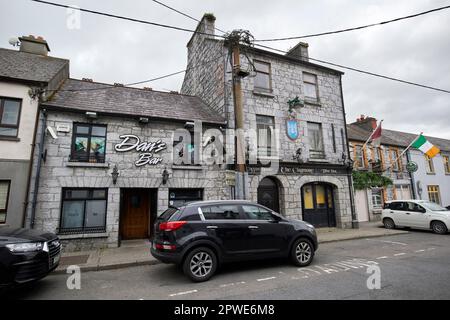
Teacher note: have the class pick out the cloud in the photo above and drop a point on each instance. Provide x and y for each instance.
(111, 50)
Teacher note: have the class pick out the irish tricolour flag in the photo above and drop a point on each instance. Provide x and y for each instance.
(425, 146)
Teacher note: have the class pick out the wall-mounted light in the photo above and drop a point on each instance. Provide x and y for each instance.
(91, 115)
(115, 174)
(165, 176)
(143, 120)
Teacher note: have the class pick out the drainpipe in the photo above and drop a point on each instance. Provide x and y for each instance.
(38, 168)
(355, 224)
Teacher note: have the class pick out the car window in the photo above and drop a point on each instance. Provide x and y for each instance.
(398, 206)
(221, 212)
(257, 213)
(170, 213)
(411, 206)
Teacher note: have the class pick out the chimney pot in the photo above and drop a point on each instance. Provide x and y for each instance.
(86, 79)
(34, 45)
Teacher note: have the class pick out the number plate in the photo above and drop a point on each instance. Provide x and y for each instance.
(56, 259)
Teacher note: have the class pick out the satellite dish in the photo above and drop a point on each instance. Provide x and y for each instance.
(14, 41)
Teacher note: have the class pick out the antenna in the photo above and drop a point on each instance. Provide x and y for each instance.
(14, 41)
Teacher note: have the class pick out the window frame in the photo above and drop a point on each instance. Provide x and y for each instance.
(316, 98)
(357, 163)
(396, 160)
(313, 153)
(446, 160)
(436, 193)
(263, 89)
(429, 165)
(83, 229)
(8, 194)
(17, 125)
(73, 156)
(375, 193)
(269, 151)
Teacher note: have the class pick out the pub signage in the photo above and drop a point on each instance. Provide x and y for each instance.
(147, 150)
(286, 169)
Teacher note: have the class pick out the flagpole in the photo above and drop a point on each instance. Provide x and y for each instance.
(403, 152)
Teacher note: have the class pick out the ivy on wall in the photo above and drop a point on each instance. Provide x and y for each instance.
(367, 179)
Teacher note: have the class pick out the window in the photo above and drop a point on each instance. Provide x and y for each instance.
(221, 212)
(265, 126)
(377, 199)
(9, 117)
(89, 143)
(395, 160)
(179, 197)
(316, 150)
(359, 157)
(263, 76)
(310, 83)
(83, 210)
(433, 194)
(446, 164)
(257, 213)
(429, 164)
(4, 195)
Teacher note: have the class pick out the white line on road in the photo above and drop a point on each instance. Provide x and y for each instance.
(383, 257)
(429, 249)
(399, 254)
(231, 284)
(421, 250)
(265, 279)
(181, 293)
(386, 241)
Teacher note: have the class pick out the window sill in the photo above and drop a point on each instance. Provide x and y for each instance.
(6, 138)
(82, 236)
(257, 92)
(431, 173)
(313, 102)
(87, 164)
(322, 160)
(186, 167)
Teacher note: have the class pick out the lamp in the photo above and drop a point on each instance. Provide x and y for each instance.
(115, 174)
(165, 176)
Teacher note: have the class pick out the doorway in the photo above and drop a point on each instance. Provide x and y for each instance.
(137, 213)
(318, 205)
(268, 194)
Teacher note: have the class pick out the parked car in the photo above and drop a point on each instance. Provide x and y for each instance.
(201, 235)
(26, 255)
(419, 214)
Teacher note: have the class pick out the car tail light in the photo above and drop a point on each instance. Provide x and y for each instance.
(165, 247)
(171, 226)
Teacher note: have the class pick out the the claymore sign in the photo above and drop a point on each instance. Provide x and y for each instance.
(146, 150)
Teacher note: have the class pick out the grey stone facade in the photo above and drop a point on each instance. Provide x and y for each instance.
(58, 172)
(211, 80)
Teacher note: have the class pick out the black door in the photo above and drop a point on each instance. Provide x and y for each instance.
(268, 194)
(318, 205)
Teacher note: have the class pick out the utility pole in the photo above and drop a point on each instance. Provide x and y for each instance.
(234, 40)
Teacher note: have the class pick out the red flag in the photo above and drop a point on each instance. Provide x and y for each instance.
(375, 137)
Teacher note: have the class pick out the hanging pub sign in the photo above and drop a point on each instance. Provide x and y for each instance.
(147, 150)
(292, 129)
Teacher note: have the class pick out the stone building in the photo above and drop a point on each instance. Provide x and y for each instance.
(312, 180)
(23, 73)
(108, 172)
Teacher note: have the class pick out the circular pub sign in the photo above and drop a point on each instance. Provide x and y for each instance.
(411, 166)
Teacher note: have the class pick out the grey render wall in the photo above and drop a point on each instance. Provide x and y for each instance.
(439, 178)
(57, 172)
(287, 83)
(17, 172)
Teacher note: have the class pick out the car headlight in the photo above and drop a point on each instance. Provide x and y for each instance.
(25, 247)
(309, 226)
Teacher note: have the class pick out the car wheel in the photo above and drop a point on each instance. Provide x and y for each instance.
(200, 264)
(439, 227)
(302, 252)
(388, 223)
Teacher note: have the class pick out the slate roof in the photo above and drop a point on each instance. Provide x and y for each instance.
(118, 100)
(23, 66)
(394, 138)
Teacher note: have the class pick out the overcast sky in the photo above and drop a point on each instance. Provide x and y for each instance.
(111, 50)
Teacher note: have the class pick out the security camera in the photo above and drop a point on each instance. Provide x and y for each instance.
(14, 42)
(52, 132)
(189, 125)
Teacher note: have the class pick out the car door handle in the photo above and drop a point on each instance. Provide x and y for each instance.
(253, 227)
(211, 227)
(408, 212)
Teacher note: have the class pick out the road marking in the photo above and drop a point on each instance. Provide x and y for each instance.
(265, 279)
(231, 284)
(421, 250)
(383, 257)
(182, 293)
(429, 249)
(386, 241)
(399, 254)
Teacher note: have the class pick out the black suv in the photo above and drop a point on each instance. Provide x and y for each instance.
(201, 235)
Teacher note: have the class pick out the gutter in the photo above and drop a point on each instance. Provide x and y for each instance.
(38, 168)
(355, 224)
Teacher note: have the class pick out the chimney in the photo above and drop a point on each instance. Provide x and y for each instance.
(207, 24)
(300, 51)
(34, 45)
(368, 123)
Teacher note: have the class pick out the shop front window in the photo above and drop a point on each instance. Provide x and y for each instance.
(4, 194)
(83, 210)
